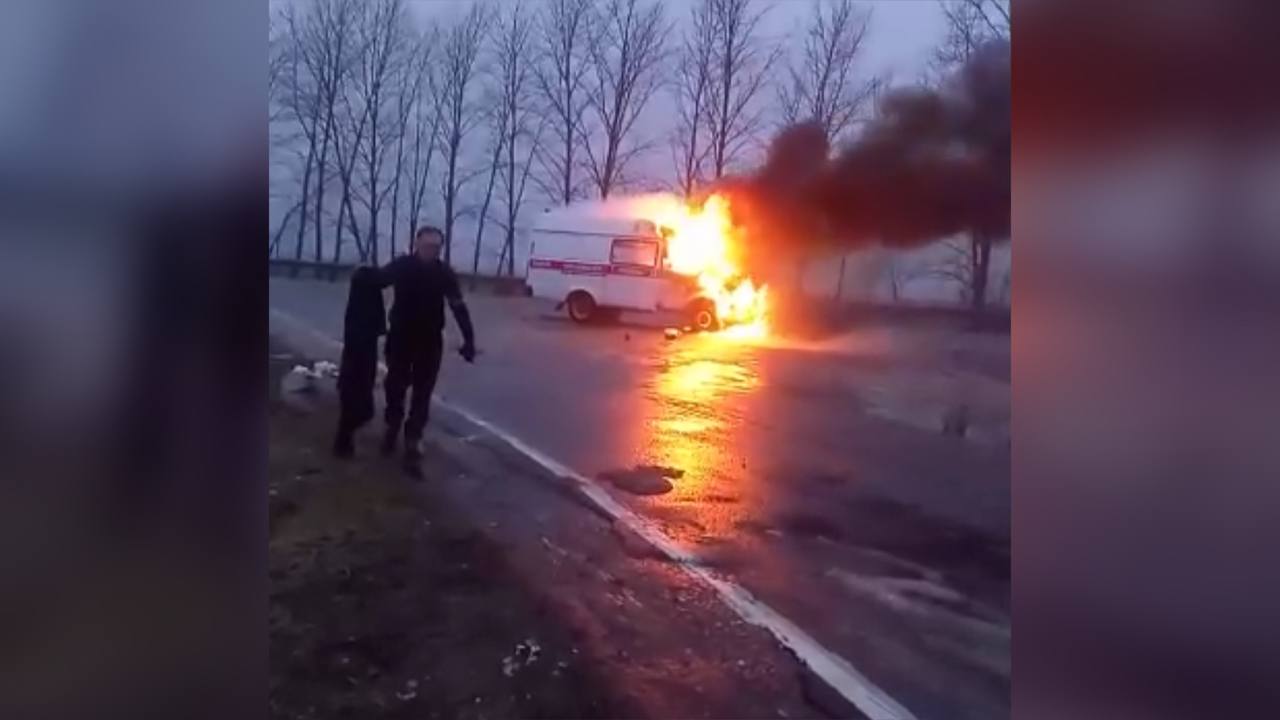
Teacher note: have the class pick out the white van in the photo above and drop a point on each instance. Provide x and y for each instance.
(594, 260)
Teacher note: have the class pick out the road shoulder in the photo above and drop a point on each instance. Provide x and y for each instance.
(393, 599)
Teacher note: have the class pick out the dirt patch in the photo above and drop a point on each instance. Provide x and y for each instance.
(386, 604)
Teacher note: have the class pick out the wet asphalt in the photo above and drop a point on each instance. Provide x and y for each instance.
(826, 476)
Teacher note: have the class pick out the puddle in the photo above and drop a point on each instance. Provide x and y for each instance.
(811, 526)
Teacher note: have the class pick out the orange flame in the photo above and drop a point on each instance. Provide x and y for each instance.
(701, 242)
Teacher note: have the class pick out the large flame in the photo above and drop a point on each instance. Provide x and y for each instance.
(702, 243)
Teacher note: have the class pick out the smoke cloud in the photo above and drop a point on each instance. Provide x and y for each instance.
(932, 162)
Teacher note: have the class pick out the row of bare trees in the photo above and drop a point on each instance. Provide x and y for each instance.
(383, 120)
(377, 114)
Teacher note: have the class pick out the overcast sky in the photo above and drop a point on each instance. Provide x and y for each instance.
(902, 31)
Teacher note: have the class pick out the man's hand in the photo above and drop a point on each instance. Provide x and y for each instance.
(468, 352)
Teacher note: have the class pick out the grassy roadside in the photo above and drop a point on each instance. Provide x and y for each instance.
(385, 604)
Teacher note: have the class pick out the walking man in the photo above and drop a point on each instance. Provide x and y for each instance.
(415, 339)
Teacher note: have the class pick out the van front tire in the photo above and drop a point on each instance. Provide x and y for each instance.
(582, 307)
(702, 315)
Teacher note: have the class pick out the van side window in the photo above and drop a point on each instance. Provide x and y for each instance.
(643, 253)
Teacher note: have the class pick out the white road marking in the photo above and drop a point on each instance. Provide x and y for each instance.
(832, 668)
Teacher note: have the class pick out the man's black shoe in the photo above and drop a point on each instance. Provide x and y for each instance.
(413, 459)
(413, 468)
(389, 442)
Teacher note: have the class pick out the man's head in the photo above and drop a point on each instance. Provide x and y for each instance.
(427, 241)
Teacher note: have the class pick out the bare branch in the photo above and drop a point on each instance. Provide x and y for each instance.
(823, 85)
(627, 47)
(518, 124)
(741, 65)
(562, 40)
(692, 95)
(460, 56)
(969, 23)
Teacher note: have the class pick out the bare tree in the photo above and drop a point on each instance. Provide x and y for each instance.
(347, 143)
(426, 130)
(278, 59)
(563, 39)
(408, 102)
(627, 49)
(692, 95)
(961, 264)
(823, 83)
(383, 67)
(497, 140)
(325, 56)
(303, 108)
(901, 271)
(741, 64)
(460, 58)
(517, 120)
(273, 248)
(286, 140)
(970, 23)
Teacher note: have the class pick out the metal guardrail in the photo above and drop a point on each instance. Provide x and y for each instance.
(340, 272)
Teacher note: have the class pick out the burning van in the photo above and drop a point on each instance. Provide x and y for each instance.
(598, 259)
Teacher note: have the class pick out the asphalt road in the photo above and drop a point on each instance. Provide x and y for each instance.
(815, 474)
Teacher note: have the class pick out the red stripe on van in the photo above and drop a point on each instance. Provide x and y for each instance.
(595, 269)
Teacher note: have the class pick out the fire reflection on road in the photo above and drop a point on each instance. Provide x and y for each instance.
(694, 410)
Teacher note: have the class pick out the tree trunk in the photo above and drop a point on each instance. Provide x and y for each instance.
(320, 183)
(484, 212)
(273, 250)
(375, 202)
(981, 254)
(350, 212)
(568, 162)
(306, 192)
(450, 196)
(509, 250)
(840, 279)
(395, 192)
(512, 210)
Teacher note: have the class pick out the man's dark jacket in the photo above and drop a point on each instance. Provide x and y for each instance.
(365, 320)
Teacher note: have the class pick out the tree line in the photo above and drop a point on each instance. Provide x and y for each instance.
(381, 121)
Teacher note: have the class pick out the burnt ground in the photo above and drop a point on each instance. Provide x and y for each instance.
(486, 592)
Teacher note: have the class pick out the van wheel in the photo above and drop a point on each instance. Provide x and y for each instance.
(582, 307)
(702, 315)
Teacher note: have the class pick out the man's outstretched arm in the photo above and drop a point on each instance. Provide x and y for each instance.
(453, 293)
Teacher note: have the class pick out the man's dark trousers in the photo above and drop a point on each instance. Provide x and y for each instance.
(411, 364)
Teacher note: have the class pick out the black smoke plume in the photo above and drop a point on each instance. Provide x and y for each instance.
(931, 163)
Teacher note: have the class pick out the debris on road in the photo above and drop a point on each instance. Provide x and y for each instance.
(302, 379)
(643, 479)
(525, 654)
(671, 333)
